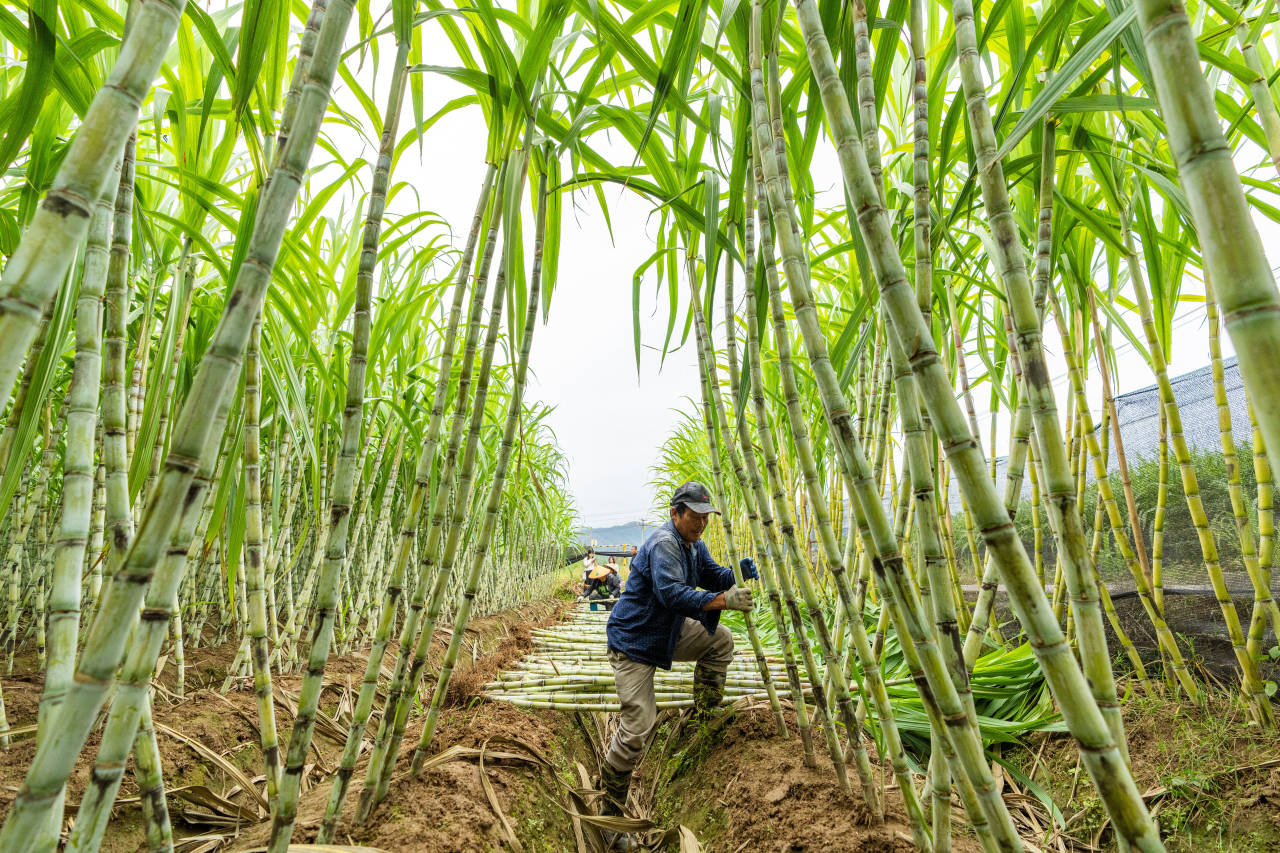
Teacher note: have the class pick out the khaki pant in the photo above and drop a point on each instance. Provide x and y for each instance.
(713, 652)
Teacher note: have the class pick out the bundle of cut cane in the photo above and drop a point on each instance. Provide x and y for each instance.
(569, 670)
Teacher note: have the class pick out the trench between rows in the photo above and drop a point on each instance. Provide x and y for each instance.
(731, 784)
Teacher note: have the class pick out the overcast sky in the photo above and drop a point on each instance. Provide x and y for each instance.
(610, 422)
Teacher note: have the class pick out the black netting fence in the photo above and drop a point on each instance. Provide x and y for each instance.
(1191, 606)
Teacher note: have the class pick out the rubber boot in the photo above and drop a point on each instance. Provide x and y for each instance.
(708, 690)
(616, 784)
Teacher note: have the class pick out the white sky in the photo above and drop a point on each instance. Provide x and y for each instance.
(609, 423)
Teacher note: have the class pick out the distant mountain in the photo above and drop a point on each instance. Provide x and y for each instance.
(630, 533)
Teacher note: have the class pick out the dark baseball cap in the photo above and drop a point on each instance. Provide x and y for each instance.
(695, 496)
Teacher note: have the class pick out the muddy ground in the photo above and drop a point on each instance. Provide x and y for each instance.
(1213, 781)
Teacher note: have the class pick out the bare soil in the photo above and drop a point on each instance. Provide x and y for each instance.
(1212, 780)
(446, 808)
(752, 791)
(447, 811)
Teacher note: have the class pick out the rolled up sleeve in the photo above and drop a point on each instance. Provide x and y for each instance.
(669, 586)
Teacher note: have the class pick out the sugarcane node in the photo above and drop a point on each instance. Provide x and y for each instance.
(64, 203)
(1003, 530)
(1261, 310)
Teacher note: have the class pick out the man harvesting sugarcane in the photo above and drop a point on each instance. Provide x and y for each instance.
(669, 611)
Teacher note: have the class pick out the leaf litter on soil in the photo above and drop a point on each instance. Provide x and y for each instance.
(749, 789)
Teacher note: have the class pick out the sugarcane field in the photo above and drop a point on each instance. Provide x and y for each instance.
(889, 472)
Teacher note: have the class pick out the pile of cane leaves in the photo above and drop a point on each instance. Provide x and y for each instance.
(1009, 692)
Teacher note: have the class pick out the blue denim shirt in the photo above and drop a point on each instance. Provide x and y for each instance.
(668, 581)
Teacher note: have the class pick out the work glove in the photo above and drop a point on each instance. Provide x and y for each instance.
(748, 567)
(738, 598)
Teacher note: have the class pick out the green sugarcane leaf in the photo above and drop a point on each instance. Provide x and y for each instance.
(258, 23)
(42, 381)
(1045, 798)
(1260, 21)
(677, 60)
(21, 112)
(1238, 70)
(1101, 103)
(882, 60)
(672, 258)
(402, 18)
(1075, 65)
(710, 231)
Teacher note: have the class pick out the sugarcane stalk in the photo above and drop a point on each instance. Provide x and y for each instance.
(463, 607)
(282, 554)
(131, 703)
(921, 454)
(922, 479)
(1266, 513)
(1117, 440)
(117, 613)
(255, 580)
(1264, 605)
(39, 263)
(357, 590)
(1135, 660)
(1080, 711)
(412, 658)
(444, 575)
(713, 413)
(370, 237)
(94, 552)
(766, 534)
(114, 452)
(168, 378)
(1157, 520)
(1259, 89)
(1265, 497)
(147, 769)
(1059, 492)
(344, 476)
(357, 580)
(78, 466)
(1251, 682)
(766, 160)
(1232, 254)
(1164, 636)
(816, 510)
(138, 370)
(880, 451)
(119, 520)
(375, 546)
(39, 567)
(1095, 547)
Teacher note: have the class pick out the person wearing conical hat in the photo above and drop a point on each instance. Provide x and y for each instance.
(603, 582)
